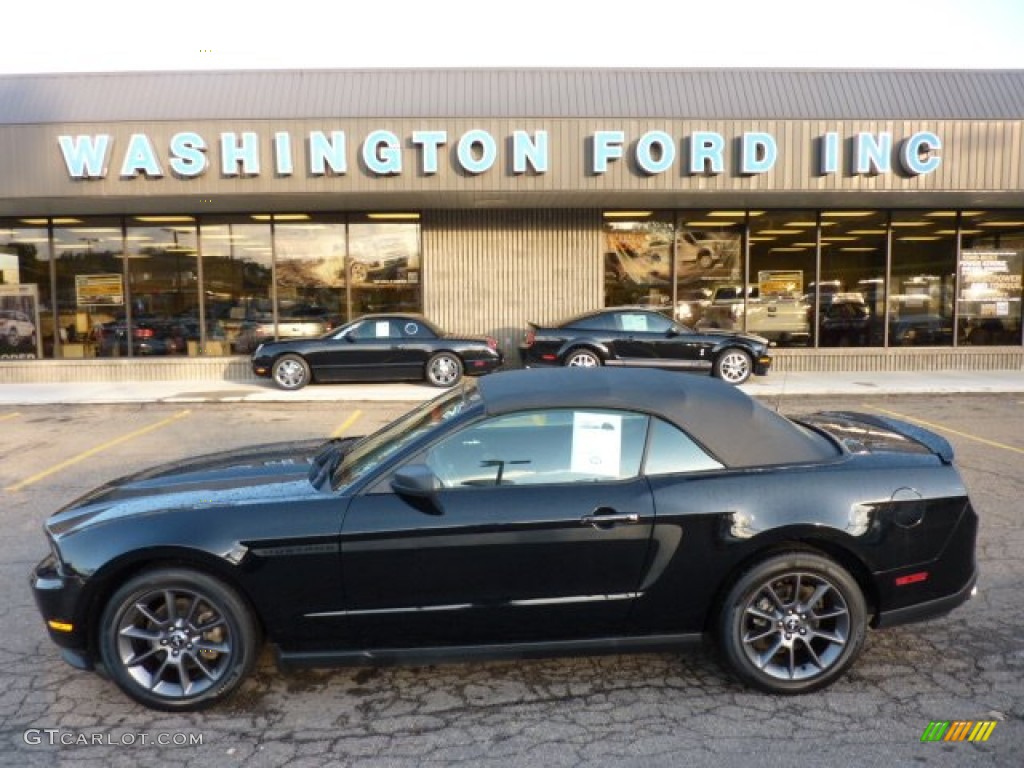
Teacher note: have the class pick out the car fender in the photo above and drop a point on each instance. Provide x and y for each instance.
(588, 343)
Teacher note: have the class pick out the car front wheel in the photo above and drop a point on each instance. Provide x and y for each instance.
(444, 370)
(793, 623)
(733, 366)
(291, 372)
(177, 640)
(582, 358)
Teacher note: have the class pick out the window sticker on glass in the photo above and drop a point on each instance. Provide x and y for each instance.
(596, 444)
(411, 329)
(634, 322)
(382, 329)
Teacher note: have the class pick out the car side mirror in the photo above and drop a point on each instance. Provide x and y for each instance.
(418, 484)
(673, 330)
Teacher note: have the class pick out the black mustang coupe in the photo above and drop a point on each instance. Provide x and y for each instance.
(520, 514)
(378, 348)
(643, 338)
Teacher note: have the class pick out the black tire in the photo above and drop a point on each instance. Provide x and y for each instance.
(581, 357)
(290, 372)
(733, 365)
(793, 623)
(444, 370)
(177, 640)
(705, 260)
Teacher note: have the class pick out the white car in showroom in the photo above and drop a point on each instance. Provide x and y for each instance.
(16, 328)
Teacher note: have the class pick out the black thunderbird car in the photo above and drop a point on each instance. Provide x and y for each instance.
(521, 514)
(378, 348)
(644, 338)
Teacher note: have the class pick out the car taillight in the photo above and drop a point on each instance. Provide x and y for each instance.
(492, 343)
(531, 336)
(144, 333)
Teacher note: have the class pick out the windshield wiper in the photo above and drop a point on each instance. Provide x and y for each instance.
(327, 460)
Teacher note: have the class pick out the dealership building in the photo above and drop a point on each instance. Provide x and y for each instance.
(161, 225)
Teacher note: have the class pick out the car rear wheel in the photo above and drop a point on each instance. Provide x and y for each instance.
(290, 372)
(177, 640)
(793, 623)
(733, 366)
(444, 370)
(582, 358)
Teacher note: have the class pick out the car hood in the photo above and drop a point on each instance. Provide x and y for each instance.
(263, 474)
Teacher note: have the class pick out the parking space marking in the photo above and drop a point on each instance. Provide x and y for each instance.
(346, 424)
(6, 416)
(98, 449)
(940, 428)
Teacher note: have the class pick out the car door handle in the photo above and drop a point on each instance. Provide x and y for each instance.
(602, 519)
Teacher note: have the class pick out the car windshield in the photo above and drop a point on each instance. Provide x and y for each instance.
(369, 452)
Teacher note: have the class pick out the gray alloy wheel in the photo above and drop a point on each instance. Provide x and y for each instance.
(793, 623)
(290, 372)
(733, 366)
(444, 370)
(582, 358)
(177, 640)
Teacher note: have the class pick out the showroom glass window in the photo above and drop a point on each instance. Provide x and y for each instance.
(783, 263)
(91, 299)
(310, 273)
(991, 256)
(383, 267)
(638, 253)
(163, 285)
(238, 281)
(26, 296)
(922, 279)
(851, 293)
(709, 255)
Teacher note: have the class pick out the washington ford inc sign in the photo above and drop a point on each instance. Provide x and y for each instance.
(384, 153)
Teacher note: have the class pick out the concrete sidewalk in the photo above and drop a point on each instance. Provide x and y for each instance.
(773, 385)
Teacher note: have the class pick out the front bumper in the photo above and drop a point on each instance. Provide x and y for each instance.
(58, 596)
(762, 365)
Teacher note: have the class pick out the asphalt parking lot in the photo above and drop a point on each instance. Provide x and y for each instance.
(635, 710)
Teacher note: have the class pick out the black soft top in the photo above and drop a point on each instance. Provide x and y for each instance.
(737, 429)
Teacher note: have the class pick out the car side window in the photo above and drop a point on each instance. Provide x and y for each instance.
(672, 452)
(542, 447)
(642, 322)
(414, 330)
(594, 323)
(370, 330)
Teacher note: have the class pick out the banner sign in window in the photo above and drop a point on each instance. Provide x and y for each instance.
(106, 290)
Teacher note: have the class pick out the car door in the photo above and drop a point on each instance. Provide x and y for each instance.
(364, 351)
(539, 532)
(635, 335)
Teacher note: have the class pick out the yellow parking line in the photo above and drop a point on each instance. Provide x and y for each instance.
(93, 451)
(941, 428)
(7, 416)
(346, 424)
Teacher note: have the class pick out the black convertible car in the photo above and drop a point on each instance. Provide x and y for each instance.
(378, 348)
(644, 338)
(521, 514)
